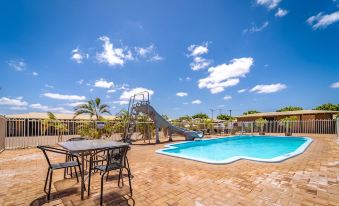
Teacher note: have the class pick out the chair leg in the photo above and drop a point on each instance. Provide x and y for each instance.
(102, 188)
(129, 181)
(120, 178)
(71, 172)
(89, 179)
(107, 176)
(50, 185)
(76, 174)
(46, 180)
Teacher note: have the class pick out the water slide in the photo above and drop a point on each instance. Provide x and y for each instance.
(160, 122)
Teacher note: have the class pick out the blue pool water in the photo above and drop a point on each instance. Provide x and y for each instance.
(229, 149)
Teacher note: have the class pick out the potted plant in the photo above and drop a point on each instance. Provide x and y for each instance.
(286, 122)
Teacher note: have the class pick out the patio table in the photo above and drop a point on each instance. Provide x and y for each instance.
(85, 147)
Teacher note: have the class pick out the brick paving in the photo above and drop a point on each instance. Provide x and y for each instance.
(308, 179)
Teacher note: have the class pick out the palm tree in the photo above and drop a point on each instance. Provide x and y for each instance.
(52, 123)
(92, 108)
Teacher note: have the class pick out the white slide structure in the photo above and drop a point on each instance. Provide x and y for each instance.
(143, 106)
(160, 122)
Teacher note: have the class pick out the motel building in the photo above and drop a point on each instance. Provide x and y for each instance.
(301, 115)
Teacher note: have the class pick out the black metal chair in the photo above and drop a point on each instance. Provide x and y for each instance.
(116, 159)
(68, 171)
(56, 166)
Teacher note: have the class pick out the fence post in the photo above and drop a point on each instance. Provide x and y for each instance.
(2, 133)
(337, 126)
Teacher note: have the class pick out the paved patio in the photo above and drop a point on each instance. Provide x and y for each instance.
(308, 179)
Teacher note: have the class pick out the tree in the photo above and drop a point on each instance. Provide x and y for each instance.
(251, 112)
(328, 106)
(200, 116)
(289, 118)
(52, 123)
(184, 118)
(224, 117)
(122, 119)
(92, 108)
(289, 108)
(260, 122)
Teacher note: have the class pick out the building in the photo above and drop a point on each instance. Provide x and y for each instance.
(300, 115)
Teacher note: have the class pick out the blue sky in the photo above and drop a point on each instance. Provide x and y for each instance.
(191, 55)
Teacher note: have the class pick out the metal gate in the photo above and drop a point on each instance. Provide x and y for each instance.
(2, 133)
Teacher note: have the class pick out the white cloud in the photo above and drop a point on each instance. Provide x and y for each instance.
(148, 53)
(181, 94)
(323, 20)
(102, 83)
(121, 102)
(242, 90)
(127, 94)
(81, 81)
(269, 88)
(74, 104)
(226, 75)
(78, 56)
(144, 52)
(113, 56)
(155, 58)
(335, 85)
(63, 96)
(17, 102)
(49, 109)
(197, 50)
(185, 103)
(199, 63)
(281, 12)
(255, 28)
(227, 97)
(17, 64)
(111, 91)
(197, 101)
(35, 73)
(18, 108)
(270, 4)
(49, 86)
(187, 79)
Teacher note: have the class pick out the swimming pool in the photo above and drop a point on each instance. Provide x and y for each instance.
(229, 149)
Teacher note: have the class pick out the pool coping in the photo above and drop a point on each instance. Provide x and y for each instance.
(301, 149)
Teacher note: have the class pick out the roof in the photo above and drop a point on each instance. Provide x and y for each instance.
(290, 113)
(37, 115)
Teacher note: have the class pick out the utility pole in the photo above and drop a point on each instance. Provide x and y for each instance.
(212, 111)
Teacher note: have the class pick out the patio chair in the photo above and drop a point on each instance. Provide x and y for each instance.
(116, 159)
(56, 166)
(68, 171)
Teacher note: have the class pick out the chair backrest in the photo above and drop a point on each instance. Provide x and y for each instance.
(46, 149)
(117, 156)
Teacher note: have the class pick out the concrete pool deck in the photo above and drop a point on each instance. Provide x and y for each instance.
(311, 178)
